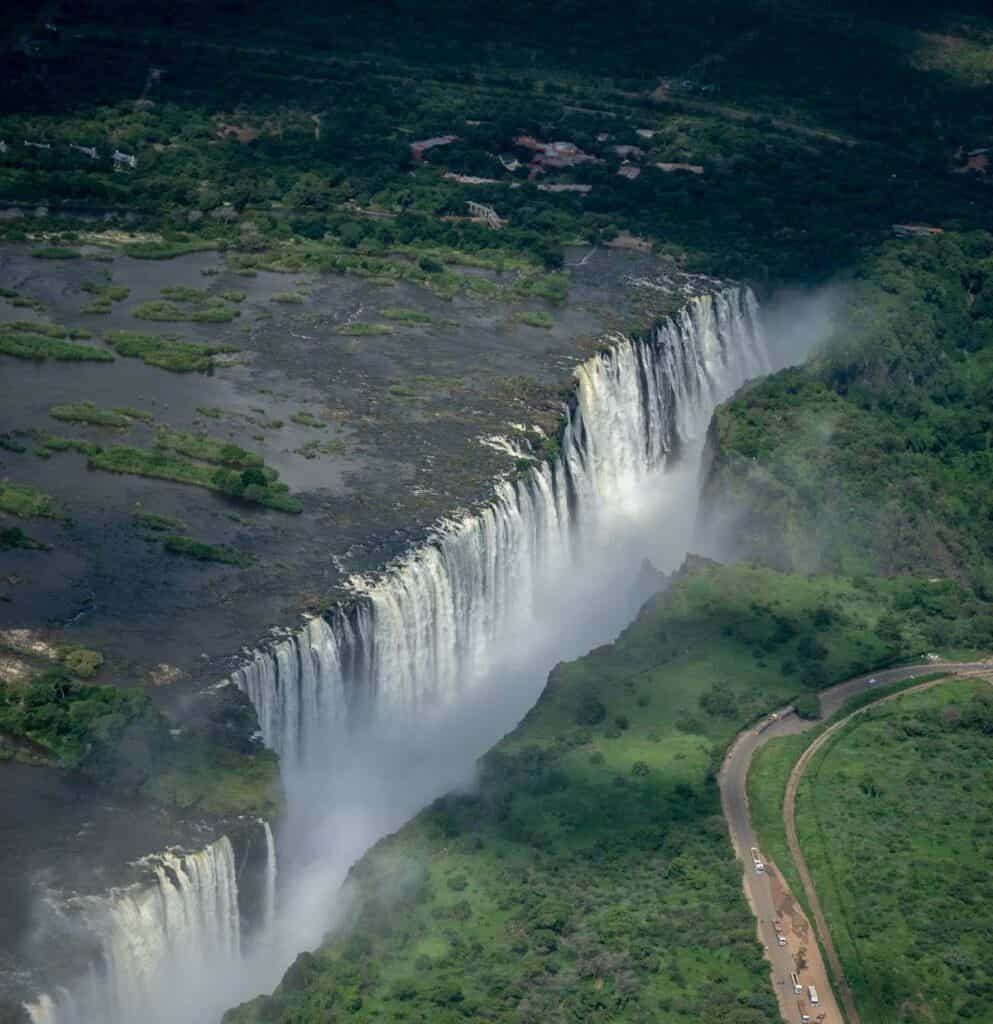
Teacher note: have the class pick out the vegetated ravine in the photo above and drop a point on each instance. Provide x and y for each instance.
(380, 706)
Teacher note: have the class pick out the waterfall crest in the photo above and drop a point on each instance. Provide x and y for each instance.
(151, 935)
(428, 628)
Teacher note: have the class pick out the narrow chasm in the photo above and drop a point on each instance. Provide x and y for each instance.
(385, 703)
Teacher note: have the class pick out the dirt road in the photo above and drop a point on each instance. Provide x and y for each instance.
(768, 894)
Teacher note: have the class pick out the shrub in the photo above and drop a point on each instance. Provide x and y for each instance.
(590, 711)
(82, 662)
(807, 706)
(56, 252)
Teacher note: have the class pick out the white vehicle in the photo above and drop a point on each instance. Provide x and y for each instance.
(757, 861)
(804, 1016)
(781, 938)
(797, 987)
(873, 681)
(812, 995)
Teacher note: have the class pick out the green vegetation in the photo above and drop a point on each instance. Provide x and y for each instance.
(88, 412)
(208, 449)
(82, 662)
(306, 419)
(767, 777)
(902, 795)
(201, 552)
(104, 296)
(770, 771)
(257, 484)
(535, 318)
(216, 780)
(166, 351)
(13, 537)
(47, 330)
(166, 250)
(358, 329)
(9, 442)
(234, 295)
(257, 417)
(56, 252)
(874, 457)
(813, 110)
(406, 316)
(155, 522)
(49, 443)
(209, 313)
(24, 501)
(183, 293)
(553, 287)
(28, 340)
(21, 301)
(288, 298)
(312, 449)
(122, 741)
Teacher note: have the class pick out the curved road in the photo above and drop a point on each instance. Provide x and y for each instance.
(766, 891)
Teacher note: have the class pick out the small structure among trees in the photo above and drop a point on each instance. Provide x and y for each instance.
(479, 211)
(124, 161)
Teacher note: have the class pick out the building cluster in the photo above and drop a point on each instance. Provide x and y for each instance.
(916, 231)
(553, 154)
(546, 156)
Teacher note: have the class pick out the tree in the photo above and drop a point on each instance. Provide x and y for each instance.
(807, 706)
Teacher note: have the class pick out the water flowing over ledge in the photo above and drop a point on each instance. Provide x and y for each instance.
(154, 934)
(401, 677)
(429, 627)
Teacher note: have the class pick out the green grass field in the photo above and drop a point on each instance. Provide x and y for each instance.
(895, 818)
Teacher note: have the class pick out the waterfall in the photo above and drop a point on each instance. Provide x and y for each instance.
(382, 705)
(151, 936)
(269, 912)
(427, 630)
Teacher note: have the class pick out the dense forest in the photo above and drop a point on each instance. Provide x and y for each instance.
(252, 126)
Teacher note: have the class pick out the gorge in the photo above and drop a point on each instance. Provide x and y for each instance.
(385, 703)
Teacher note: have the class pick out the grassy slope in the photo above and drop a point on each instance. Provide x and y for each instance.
(770, 771)
(906, 887)
(590, 877)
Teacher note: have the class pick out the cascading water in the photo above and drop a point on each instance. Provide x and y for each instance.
(269, 909)
(429, 629)
(154, 935)
(382, 706)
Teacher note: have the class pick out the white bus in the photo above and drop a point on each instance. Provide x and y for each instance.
(812, 996)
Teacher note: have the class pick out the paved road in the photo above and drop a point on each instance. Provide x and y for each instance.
(767, 893)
